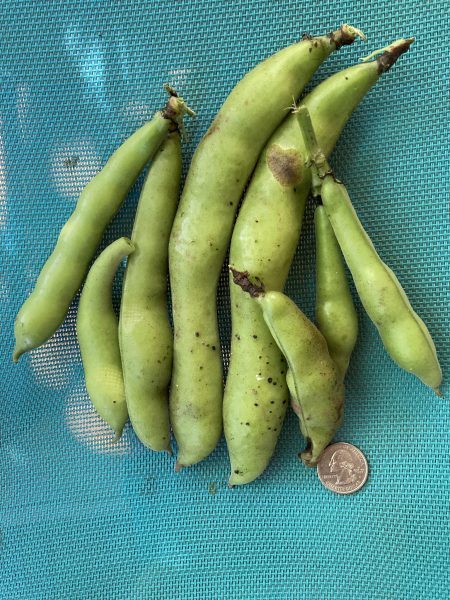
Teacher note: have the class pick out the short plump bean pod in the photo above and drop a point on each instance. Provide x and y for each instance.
(63, 273)
(202, 229)
(404, 334)
(314, 381)
(264, 240)
(335, 312)
(145, 335)
(98, 336)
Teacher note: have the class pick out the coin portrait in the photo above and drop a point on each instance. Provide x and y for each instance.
(342, 468)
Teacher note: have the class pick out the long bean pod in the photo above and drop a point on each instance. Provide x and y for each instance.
(335, 312)
(97, 332)
(146, 339)
(63, 273)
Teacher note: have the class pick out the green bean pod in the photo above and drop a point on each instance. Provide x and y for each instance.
(98, 337)
(314, 381)
(146, 339)
(335, 312)
(264, 240)
(202, 230)
(63, 273)
(403, 333)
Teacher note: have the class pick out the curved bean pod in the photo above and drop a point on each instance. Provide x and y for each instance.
(97, 332)
(145, 335)
(202, 229)
(264, 240)
(313, 379)
(403, 333)
(61, 276)
(335, 312)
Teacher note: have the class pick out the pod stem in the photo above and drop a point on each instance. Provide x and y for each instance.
(241, 278)
(387, 56)
(175, 109)
(315, 157)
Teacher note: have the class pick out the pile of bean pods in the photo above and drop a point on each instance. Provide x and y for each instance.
(163, 381)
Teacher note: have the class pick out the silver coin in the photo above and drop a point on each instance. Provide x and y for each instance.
(343, 468)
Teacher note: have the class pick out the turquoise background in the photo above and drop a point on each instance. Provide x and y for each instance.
(83, 518)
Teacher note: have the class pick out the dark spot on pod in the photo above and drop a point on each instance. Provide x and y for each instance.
(310, 50)
(267, 363)
(114, 402)
(197, 334)
(201, 368)
(238, 337)
(247, 423)
(256, 221)
(284, 401)
(270, 380)
(285, 165)
(255, 336)
(274, 428)
(272, 402)
(256, 404)
(259, 356)
(282, 372)
(270, 412)
(213, 347)
(346, 78)
(237, 471)
(269, 428)
(231, 203)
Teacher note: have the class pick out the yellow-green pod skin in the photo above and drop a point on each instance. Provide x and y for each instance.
(314, 381)
(146, 339)
(63, 273)
(335, 312)
(264, 241)
(404, 334)
(98, 337)
(202, 229)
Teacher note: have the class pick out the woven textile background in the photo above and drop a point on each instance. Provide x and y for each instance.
(82, 518)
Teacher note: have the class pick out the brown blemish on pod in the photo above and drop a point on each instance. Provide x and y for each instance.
(284, 165)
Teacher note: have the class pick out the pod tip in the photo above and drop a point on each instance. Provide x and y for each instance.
(17, 353)
(438, 392)
(178, 467)
(388, 56)
(117, 436)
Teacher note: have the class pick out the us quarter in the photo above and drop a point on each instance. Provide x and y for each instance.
(343, 468)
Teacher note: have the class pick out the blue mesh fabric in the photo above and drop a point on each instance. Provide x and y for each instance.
(83, 518)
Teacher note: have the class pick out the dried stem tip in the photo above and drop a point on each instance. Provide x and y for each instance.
(388, 56)
(241, 278)
(345, 35)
